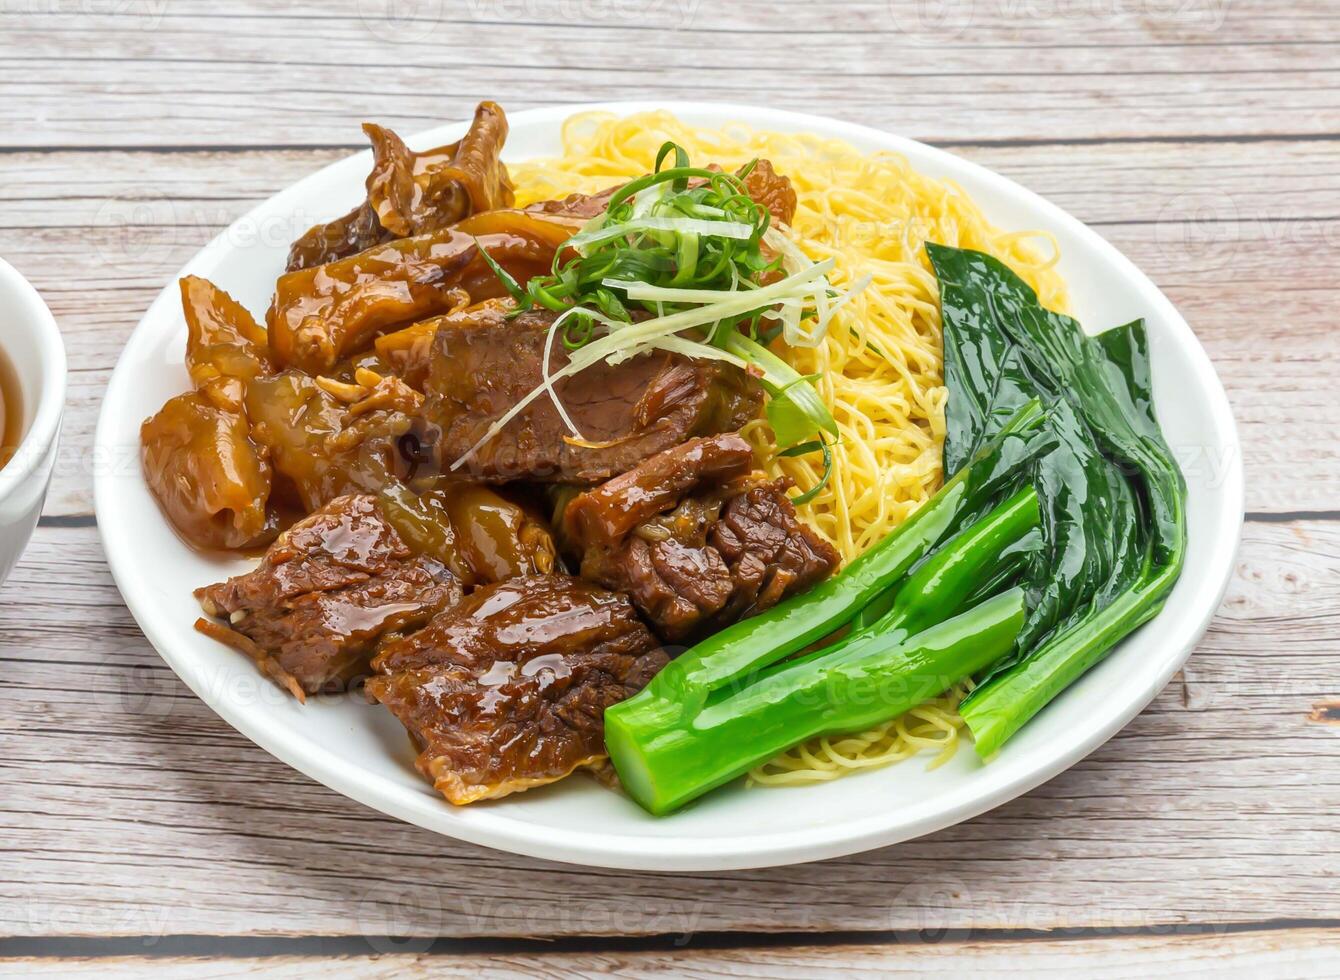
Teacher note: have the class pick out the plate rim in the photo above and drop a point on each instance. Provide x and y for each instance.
(597, 849)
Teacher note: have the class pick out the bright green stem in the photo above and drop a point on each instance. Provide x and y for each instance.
(868, 680)
(973, 560)
(955, 573)
(1008, 701)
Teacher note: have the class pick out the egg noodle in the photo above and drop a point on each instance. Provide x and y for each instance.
(879, 368)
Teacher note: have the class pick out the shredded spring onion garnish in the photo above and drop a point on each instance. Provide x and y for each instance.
(684, 260)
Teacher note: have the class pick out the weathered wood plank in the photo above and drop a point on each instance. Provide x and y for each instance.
(146, 73)
(1250, 256)
(130, 809)
(1266, 954)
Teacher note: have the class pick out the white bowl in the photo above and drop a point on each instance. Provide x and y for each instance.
(361, 751)
(31, 342)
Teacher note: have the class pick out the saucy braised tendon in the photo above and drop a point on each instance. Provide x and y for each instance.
(412, 193)
(324, 313)
(201, 458)
(513, 446)
(325, 438)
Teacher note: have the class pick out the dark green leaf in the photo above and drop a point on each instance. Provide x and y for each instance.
(1111, 494)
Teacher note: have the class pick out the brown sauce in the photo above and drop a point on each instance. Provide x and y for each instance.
(11, 411)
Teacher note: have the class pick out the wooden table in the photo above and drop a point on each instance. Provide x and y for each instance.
(1200, 136)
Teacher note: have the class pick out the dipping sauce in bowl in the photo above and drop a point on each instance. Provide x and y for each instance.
(11, 410)
(32, 398)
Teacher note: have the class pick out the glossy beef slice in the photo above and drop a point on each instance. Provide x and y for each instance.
(485, 362)
(507, 689)
(325, 593)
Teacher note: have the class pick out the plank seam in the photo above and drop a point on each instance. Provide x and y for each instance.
(259, 947)
(67, 520)
(1289, 516)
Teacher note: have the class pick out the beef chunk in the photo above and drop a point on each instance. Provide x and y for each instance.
(312, 612)
(508, 689)
(678, 587)
(771, 555)
(613, 509)
(695, 542)
(484, 363)
(772, 190)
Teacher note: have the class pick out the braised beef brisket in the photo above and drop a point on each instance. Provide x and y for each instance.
(507, 689)
(772, 190)
(484, 363)
(771, 554)
(694, 542)
(610, 511)
(327, 590)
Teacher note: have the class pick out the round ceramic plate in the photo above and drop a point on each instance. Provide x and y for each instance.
(361, 751)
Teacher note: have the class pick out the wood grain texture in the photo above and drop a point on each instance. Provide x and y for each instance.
(146, 72)
(1197, 135)
(130, 809)
(1262, 955)
(101, 233)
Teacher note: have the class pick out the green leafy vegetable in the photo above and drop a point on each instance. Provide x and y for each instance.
(1111, 493)
(872, 677)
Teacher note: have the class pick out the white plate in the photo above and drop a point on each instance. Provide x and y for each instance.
(362, 752)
